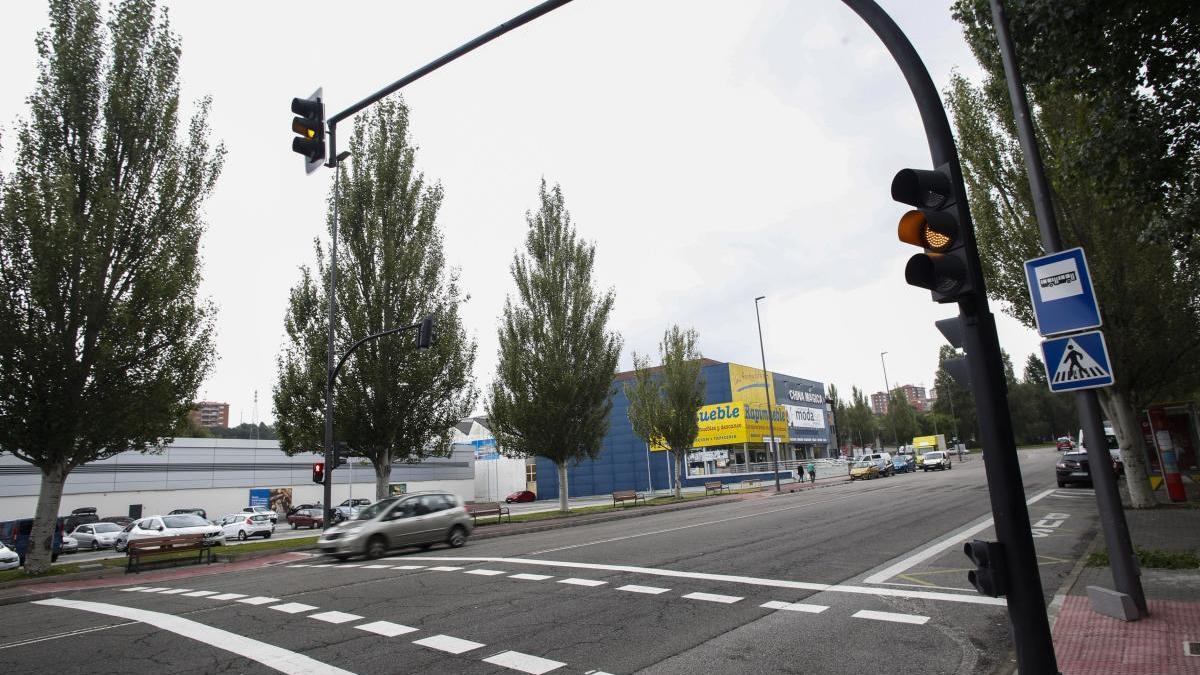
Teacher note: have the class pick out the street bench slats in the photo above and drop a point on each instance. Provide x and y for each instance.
(715, 486)
(489, 509)
(623, 496)
(155, 546)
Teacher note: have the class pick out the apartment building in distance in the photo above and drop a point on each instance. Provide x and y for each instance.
(210, 414)
(913, 394)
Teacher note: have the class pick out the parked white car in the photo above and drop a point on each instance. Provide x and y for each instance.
(8, 558)
(169, 526)
(242, 526)
(97, 535)
(264, 511)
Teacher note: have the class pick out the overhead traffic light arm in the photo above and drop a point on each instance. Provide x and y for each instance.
(424, 329)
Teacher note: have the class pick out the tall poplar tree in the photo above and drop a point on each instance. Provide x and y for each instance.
(392, 402)
(663, 401)
(553, 388)
(103, 342)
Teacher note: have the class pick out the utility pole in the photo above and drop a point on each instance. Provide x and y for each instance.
(887, 397)
(767, 395)
(1108, 499)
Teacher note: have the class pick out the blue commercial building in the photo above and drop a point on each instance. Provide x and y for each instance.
(732, 449)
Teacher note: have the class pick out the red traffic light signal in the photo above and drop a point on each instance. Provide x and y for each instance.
(310, 127)
(318, 472)
(934, 226)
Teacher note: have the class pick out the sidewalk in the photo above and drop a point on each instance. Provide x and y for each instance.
(1088, 642)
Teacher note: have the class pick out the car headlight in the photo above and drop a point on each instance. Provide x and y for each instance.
(351, 531)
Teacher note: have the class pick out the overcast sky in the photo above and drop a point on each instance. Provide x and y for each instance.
(713, 152)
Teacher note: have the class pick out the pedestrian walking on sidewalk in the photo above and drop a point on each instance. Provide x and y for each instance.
(812, 473)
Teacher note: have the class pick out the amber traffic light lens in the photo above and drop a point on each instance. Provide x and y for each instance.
(936, 240)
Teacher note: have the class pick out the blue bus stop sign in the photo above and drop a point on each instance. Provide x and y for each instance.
(1062, 294)
(1077, 362)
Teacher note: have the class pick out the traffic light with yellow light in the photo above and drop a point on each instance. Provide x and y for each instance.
(934, 225)
(309, 125)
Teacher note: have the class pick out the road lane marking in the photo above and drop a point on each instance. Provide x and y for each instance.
(199, 594)
(173, 591)
(386, 628)
(713, 597)
(227, 596)
(267, 654)
(968, 597)
(531, 577)
(939, 546)
(335, 617)
(582, 582)
(446, 643)
(259, 600)
(293, 607)
(73, 633)
(535, 665)
(376, 567)
(483, 572)
(444, 568)
(134, 588)
(649, 590)
(300, 565)
(408, 567)
(795, 607)
(155, 589)
(890, 616)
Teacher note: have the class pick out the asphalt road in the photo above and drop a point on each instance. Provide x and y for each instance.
(857, 578)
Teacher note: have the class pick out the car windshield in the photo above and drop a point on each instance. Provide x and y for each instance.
(375, 509)
(933, 455)
(1076, 456)
(188, 520)
(864, 464)
(99, 528)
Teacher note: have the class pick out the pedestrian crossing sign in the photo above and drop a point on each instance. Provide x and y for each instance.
(1077, 362)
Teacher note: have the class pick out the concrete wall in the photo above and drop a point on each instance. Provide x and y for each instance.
(495, 479)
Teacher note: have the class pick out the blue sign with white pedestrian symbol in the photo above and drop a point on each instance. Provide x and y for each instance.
(1077, 362)
(1062, 294)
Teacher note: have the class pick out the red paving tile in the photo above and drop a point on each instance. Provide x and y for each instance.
(1087, 642)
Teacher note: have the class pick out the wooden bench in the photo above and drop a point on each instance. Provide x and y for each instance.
(489, 509)
(627, 496)
(715, 486)
(141, 548)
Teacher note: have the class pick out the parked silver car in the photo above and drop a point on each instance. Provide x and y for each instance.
(421, 519)
(97, 535)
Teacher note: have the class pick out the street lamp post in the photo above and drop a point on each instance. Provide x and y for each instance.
(887, 393)
(767, 394)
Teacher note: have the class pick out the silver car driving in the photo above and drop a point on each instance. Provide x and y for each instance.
(421, 519)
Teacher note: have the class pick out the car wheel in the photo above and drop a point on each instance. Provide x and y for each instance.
(1061, 484)
(293, 525)
(241, 535)
(458, 537)
(267, 535)
(376, 547)
(95, 545)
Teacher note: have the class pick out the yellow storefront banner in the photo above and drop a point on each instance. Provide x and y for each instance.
(746, 384)
(735, 423)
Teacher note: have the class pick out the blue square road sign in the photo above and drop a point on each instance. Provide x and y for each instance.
(1076, 362)
(1061, 289)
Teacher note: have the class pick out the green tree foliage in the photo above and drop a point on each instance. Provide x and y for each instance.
(553, 388)
(954, 403)
(103, 342)
(839, 417)
(900, 418)
(861, 427)
(392, 402)
(1121, 159)
(663, 400)
(1039, 415)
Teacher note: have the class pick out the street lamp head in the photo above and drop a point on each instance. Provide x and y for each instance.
(761, 297)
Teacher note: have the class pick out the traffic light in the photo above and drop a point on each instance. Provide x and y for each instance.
(318, 472)
(955, 333)
(934, 225)
(425, 333)
(990, 576)
(310, 127)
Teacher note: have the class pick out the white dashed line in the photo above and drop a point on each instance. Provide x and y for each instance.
(156, 589)
(376, 567)
(531, 577)
(335, 617)
(582, 582)
(649, 590)
(259, 600)
(444, 568)
(228, 596)
(301, 565)
(446, 643)
(173, 591)
(293, 607)
(525, 663)
(350, 565)
(199, 594)
(324, 565)
(795, 607)
(134, 588)
(484, 573)
(713, 597)
(386, 628)
(891, 616)
(408, 567)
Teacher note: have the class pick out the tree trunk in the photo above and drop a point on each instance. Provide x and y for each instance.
(676, 470)
(1128, 429)
(39, 553)
(562, 488)
(383, 478)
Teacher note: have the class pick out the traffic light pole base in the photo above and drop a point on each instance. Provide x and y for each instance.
(1112, 603)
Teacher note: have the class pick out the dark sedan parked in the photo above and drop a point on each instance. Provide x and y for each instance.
(309, 518)
(522, 496)
(1073, 467)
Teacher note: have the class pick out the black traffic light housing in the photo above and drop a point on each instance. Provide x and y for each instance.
(990, 576)
(309, 124)
(425, 333)
(935, 224)
(318, 472)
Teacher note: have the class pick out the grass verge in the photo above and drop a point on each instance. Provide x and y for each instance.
(1153, 558)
